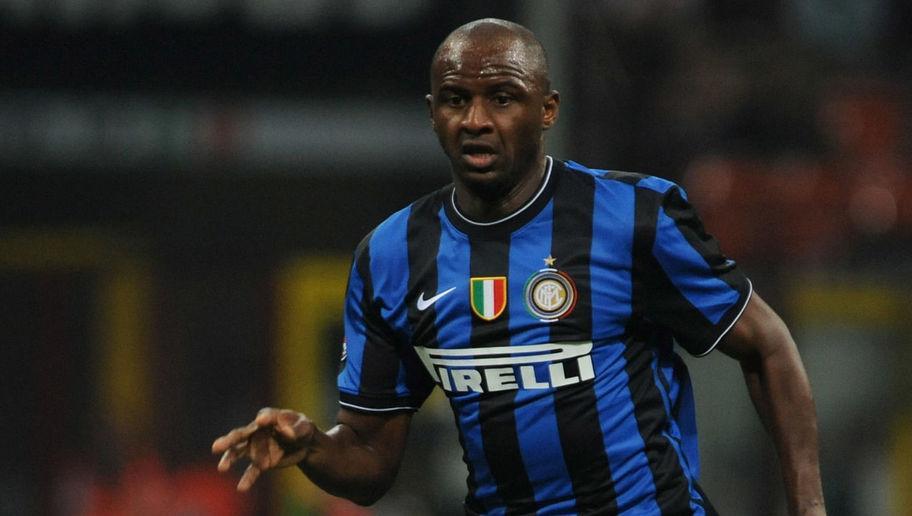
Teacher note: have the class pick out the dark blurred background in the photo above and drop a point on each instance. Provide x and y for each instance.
(182, 183)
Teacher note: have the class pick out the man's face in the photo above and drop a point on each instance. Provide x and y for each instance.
(489, 109)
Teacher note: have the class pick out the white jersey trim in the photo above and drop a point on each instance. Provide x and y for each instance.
(390, 409)
(750, 291)
(550, 163)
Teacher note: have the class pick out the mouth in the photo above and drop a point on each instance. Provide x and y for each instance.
(478, 155)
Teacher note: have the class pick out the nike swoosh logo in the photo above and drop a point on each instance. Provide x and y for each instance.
(423, 303)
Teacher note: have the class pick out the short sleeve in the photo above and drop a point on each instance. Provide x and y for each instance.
(379, 373)
(688, 285)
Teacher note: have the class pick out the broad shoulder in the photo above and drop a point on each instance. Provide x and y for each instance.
(391, 234)
(618, 177)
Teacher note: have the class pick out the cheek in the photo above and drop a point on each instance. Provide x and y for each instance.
(524, 133)
(443, 130)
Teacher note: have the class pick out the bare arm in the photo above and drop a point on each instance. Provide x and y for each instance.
(357, 459)
(779, 389)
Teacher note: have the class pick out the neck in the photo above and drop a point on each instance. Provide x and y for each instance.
(480, 210)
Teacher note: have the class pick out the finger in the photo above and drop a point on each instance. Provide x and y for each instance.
(294, 426)
(260, 444)
(234, 437)
(267, 416)
(248, 478)
(232, 455)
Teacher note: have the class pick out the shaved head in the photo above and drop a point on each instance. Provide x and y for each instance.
(490, 104)
(518, 43)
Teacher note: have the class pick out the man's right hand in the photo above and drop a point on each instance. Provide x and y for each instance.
(276, 438)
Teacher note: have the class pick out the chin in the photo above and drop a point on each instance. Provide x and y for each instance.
(487, 185)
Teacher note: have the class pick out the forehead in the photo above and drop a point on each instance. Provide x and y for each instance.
(480, 58)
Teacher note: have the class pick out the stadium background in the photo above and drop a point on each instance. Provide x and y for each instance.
(182, 184)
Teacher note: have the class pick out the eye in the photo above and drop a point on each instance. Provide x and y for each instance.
(503, 99)
(453, 100)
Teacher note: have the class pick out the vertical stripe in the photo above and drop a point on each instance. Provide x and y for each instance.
(483, 496)
(379, 367)
(500, 291)
(454, 328)
(389, 274)
(672, 487)
(612, 247)
(629, 465)
(349, 378)
(670, 431)
(423, 238)
(575, 405)
(539, 441)
(683, 412)
(488, 298)
(612, 250)
(490, 258)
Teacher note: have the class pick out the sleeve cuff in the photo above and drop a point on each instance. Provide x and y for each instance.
(370, 404)
(728, 322)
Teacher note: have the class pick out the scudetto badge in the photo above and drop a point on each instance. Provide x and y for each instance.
(488, 296)
(549, 295)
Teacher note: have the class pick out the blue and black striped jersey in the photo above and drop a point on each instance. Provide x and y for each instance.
(551, 332)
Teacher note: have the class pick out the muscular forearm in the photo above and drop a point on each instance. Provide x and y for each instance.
(781, 393)
(343, 464)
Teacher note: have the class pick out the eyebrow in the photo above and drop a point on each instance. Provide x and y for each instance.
(511, 84)
(500, 76)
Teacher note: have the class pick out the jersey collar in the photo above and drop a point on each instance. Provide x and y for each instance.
(511, 222)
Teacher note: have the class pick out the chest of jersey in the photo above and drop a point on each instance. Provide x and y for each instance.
(519, 310)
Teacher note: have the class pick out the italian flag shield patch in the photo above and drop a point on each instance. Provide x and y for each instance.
(488, 296)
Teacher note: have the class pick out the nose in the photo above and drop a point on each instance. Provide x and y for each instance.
(476, 119)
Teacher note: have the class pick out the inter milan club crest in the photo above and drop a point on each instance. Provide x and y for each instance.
(550, 294)
(488, 296)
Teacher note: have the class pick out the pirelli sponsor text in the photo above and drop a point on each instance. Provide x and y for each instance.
(506, 368)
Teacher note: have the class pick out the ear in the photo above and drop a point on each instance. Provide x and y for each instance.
(429, 100)
(550, 109)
